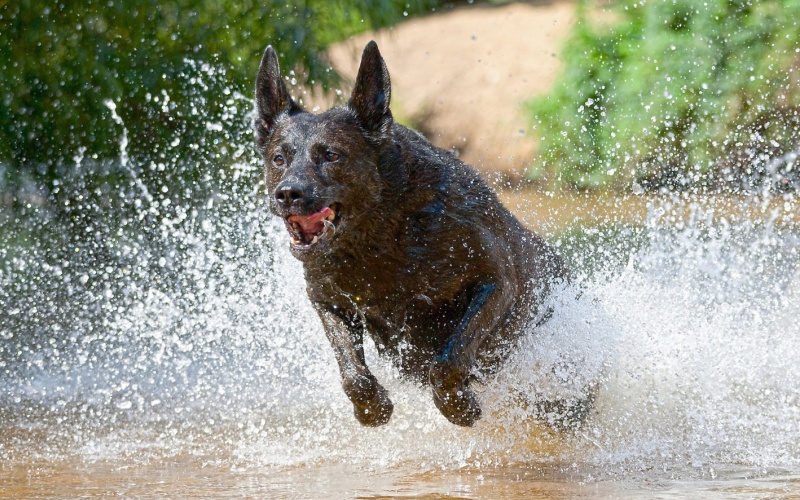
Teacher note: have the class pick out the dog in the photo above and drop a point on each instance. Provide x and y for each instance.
(399, 240)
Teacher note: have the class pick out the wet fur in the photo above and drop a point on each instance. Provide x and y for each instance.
(424, 259)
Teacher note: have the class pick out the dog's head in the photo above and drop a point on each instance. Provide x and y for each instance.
(327, 173)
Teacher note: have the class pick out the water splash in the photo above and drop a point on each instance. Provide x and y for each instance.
(692, 339)
(198, 340)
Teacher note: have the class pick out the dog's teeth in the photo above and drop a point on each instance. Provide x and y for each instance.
(331, 216)
(316, 239)
(295, 241)
(329, 229)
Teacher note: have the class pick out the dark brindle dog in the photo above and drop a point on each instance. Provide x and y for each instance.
(400, 240)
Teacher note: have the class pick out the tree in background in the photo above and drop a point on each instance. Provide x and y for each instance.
(677, 95)
(171, 69)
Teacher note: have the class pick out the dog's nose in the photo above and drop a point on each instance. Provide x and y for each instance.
(289, 194)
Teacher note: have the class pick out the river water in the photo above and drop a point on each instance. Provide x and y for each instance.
(191, 365)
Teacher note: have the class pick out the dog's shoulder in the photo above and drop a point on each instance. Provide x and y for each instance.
(432, 167)
(458, 184)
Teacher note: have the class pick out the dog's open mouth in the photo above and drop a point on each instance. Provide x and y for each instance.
(308, 230)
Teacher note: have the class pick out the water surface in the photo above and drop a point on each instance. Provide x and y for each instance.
(191, 365)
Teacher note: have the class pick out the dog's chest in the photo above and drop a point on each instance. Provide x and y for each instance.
(411, 332)
(363, 290)
(373, 280)
(394, 306)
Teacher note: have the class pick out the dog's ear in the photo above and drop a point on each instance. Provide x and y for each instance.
(372, 92)
(272, 98)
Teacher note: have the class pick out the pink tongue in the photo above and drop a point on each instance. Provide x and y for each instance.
(311, 224)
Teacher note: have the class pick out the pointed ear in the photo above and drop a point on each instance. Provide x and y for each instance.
(272, 98)
(373, 91)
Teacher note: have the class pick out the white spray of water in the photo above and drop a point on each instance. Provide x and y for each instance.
(691, 351)
(694, 355)
(123, 150)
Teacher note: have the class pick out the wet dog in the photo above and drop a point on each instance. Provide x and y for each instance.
(400, 241)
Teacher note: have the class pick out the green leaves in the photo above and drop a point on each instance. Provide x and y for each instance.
(658, 98)
(172, 69)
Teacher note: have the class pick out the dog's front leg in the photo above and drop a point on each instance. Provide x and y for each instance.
(450, 370)
(371, 403)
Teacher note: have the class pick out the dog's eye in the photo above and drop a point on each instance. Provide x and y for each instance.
(278, 160)
(331, 156)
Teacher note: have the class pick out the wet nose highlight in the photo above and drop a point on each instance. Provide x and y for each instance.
(289, 194)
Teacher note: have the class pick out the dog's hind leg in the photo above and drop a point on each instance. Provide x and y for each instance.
(450, 370)
(371, 403)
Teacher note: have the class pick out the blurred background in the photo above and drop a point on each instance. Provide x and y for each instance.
(578, 95)
(612, 93)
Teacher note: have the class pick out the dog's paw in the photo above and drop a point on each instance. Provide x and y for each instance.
(450, 392)
(459, 407)
(375, 412)
(446, 376)
(371, 404)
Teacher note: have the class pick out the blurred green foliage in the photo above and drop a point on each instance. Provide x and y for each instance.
(173, 69)
(675, 94)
